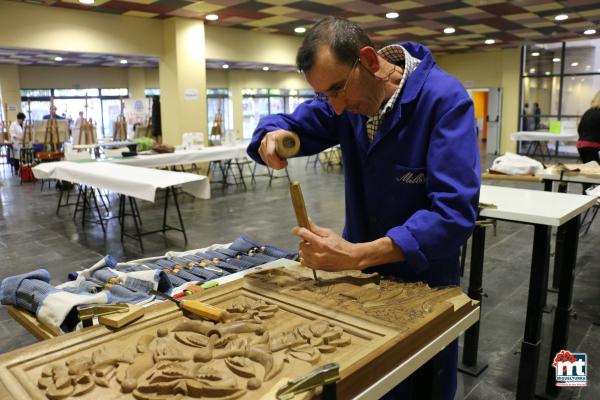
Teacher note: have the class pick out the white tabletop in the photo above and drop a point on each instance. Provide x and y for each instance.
(533, 206)
(181, 157)
(136, 182)
(542, 135)
(576, 178)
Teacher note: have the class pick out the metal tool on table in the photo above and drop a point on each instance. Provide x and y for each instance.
(326, 375)
(196, 307)
(300, 209)
(87, 312)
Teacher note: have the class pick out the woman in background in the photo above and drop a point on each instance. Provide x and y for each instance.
(588, 144)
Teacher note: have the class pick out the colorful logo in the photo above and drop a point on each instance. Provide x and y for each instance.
(571, 368)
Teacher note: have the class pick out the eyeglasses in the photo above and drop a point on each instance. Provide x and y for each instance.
(335, 93)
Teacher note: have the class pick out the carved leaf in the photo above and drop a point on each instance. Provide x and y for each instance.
(240, 366)
(192, 339)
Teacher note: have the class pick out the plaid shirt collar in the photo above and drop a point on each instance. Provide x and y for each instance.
(399, 56)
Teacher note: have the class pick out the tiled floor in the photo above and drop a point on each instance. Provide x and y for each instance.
(32, 236)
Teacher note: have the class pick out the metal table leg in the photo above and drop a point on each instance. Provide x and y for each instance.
(538, 284)
(469, 363)
(561, 238)
(562, 317)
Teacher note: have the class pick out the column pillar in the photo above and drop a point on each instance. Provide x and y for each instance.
(182, 78)
(10, 89)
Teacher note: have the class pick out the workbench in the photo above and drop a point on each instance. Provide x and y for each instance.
(376, 337)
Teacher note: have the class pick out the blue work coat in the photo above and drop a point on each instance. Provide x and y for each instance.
(417, 182)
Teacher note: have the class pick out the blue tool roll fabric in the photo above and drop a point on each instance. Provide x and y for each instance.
(110, 282)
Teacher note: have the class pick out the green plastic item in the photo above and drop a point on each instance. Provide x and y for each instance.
(144, 143)
(554, 127)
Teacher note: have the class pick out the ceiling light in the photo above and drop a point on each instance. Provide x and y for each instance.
(589, 32)
(547, 73)
(212, 17)
(225, 66)
(58, 58)
(300, 29)
(535, 54)
(392, 15)
(86, 1)
(574, 64)
(556, 59)
(561, 17)
(489, 41)
(123, 61)
(532, 71)
(588, 67)
(265, 68)
(449, 30)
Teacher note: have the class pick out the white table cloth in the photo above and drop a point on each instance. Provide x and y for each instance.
(131, 181)
(528, 136)
(181, 157)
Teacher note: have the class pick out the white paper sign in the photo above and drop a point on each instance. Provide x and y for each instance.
(190, 94)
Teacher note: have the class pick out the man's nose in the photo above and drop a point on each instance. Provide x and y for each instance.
(338, 105)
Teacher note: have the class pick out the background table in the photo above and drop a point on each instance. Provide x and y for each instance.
(536, 137)
(543, 210)
(140, 183)
(181, 157)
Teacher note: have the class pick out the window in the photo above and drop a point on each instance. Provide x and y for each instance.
(561, 78)
(75, 92)
(219, 103)
(103, 105)
(258, 103)
(122, 92)
(152, 92)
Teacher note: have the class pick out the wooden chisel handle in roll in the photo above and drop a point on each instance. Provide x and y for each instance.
(288, 145)
(204, 310)
(299, 207)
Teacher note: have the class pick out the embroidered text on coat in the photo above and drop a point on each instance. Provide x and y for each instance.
(412, 178)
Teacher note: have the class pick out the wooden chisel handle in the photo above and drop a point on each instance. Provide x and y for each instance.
(300, 209)
(299, 206)
(288, 145)
(204, 310)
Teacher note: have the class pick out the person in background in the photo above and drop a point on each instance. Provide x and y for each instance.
(524, 117)
(588, 144)
(53, 114)
(15, 131)
(537, 111)
(76, 130)
(411, 163)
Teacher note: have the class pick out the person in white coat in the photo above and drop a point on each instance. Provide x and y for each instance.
(15, 131)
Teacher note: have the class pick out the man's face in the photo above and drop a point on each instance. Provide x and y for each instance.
(347, 87)
(53, 110)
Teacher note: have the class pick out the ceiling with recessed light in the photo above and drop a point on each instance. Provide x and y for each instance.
(73, 59)
(508, 23)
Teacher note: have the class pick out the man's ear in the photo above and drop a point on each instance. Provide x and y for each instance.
(369, 59)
